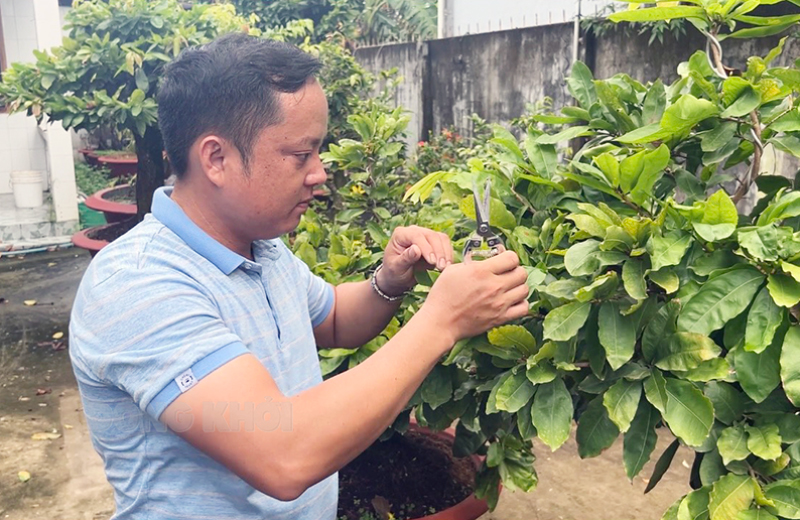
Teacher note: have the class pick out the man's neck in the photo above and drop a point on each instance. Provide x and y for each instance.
(186, 198)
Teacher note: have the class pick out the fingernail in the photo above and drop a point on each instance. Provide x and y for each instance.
(432, 259)
(441, 265)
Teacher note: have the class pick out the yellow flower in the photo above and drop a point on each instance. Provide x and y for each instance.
(357, 190)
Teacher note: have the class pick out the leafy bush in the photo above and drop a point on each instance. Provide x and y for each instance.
(91, 179)
(653, 300)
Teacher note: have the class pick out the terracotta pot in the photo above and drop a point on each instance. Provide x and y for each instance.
(84, 241)
(120, 165)
(90, 156)
(468, 509)
(113, 211)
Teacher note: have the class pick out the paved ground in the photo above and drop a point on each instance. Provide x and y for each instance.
(67, 480)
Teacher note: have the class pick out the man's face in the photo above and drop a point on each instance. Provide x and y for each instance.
(284, 167)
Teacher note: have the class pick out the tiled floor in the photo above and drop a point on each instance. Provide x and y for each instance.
(30, 225)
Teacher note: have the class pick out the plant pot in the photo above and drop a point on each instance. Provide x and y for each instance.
(94, 239)
(386, 471)
(120, 165)
(114, 211)
(90, 156)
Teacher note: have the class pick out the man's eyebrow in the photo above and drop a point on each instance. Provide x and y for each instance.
(309, 141)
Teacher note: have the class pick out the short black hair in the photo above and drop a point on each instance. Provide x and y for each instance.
(229, 87)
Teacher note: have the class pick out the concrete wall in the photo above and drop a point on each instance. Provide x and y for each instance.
(495, 75)
(22, 147)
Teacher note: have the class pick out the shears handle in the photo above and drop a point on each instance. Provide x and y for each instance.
(472, 251)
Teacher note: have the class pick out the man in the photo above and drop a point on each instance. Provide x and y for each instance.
(194, 336)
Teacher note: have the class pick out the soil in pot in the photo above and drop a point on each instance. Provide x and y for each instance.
(416, 474)
(124, 195)
(111, 233)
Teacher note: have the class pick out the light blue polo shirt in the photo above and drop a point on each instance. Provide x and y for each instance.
(159, 309)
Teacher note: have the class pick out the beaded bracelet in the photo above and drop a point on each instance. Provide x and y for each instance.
(379, 292)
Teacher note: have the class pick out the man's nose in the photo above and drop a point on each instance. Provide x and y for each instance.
(318, 175)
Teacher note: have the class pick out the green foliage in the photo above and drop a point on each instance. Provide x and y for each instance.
(659, 301)
(91, 179)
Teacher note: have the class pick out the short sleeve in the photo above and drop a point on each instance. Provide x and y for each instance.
(151, 333)
(320, 293)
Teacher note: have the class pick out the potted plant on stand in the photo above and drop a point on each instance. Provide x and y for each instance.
(105, 75)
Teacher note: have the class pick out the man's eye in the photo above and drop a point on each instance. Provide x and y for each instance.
(303, 156)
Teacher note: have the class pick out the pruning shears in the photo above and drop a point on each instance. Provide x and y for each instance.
(484, 233)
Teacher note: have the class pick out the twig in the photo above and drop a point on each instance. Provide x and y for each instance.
(755, 166)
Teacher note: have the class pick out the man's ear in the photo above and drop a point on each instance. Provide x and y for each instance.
(219, 159)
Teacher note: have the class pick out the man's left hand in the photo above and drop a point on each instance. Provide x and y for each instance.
(412, 248)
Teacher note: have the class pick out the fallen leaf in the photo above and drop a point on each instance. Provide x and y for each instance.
(43, 391)
(45, 436)
(23, 398)
(67, 426)
(24, 476)
(30, 303)
(52, 264)
(42, 404)
(58, 335)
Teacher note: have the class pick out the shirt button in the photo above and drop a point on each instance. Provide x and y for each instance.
(247, 266)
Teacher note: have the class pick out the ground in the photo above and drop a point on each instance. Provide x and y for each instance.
(66, 475)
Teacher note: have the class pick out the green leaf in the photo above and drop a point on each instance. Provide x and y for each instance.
(655, 101)
(588, 224)
(720, 300)
(491, 402)
(563, 323)
(142, 83)
(759, 374)
(437, 389)
(565, 135)
(653, 14)
(763, 320)
(617, 334)
(749, 99)
(730, 495)
(541, 373)
(601, 287)
(686, 112)
(621, 402)
(662, 465)
(685, 351)
(719, 218)
(787, 143)
(760, 242)
(714, 139)
(689, 413)
(785, 494)
(790, 364)
(728, 402)
(514, 393)
(633, 271)
(764, 441)
(785, 290)
(580, 259)
(755, 514)
(609, 165)
(659, 329)
(640, 439)
(669, 249)
(732, 444)
(499, 216)
(653, 165)
(581, 85)
(596, 432)
(666, 279)
(552, 413)
(513, 336)
(655, 389)
(717, 368)
(694, 506)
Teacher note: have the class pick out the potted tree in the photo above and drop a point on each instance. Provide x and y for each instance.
(105, 75)
(654, 299)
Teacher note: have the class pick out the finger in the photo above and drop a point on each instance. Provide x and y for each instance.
(448, 248)
(517, 295)
(427, 253)
(502, 263)
(515, 278)
(439, 248)
(412, 254)
(517, 311)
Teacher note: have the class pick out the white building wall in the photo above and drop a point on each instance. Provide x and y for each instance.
(480, 16)
(22, 147)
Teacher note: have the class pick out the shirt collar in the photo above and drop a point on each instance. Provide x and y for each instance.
(169, 213)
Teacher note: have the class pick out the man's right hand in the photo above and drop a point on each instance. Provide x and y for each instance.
(470, 298)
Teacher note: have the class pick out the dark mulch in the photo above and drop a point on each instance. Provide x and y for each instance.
(415, 475)
(112, 232)
(124, 195)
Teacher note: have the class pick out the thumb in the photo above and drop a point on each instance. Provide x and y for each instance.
(413, 254)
